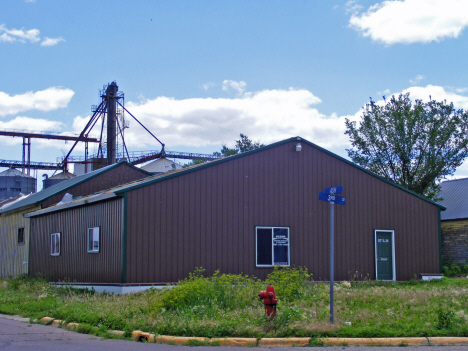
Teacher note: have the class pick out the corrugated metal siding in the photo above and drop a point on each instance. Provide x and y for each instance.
(74, 262)
(114, 177)
(207, 218)
(13, 255)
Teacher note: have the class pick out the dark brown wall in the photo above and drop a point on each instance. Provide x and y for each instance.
(207, 218)
(74, 262)
(119, 175)
(455, 241)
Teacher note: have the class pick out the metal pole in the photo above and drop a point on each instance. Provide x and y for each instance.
(24, 155)
(331, 262)
(29, 156)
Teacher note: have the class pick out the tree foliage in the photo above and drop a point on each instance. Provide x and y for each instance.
(244, 144)
(412, 144)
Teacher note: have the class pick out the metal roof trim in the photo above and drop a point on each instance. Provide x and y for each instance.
(178, 173)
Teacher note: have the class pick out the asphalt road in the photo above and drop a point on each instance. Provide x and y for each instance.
(18, 334)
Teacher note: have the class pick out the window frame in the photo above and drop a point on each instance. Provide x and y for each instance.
(93, 250)
(52, 251)
(272, 247)
(19, 232)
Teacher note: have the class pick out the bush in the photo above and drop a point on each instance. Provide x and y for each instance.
(223, 291)
(289, 283)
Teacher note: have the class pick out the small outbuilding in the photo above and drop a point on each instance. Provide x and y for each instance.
(241, 214)
(14, 228)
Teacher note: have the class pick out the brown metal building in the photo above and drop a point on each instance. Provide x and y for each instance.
(241, 214)
(14, 228)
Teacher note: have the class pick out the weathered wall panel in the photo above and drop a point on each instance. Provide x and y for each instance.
(75, 264)
(455, 241)
(207, 218)
(117, 176)
(14, 256)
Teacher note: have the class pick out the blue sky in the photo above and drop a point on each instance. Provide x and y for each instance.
(198, 73)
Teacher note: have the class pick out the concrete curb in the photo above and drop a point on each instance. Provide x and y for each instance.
(139, 335)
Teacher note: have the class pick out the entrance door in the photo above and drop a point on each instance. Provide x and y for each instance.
(384, 255)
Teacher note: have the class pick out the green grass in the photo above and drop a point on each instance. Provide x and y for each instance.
(227, 305)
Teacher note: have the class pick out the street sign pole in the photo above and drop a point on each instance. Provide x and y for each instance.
(330, 195)
(331, 261)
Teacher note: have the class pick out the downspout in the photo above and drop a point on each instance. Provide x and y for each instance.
(124, 239)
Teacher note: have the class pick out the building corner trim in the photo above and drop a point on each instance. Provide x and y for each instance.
(440, 239)
(124, 239)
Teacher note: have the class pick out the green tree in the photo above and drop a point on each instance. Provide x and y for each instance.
(244, 144)
(412, 144)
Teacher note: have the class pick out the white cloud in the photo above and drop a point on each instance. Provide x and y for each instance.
(12, 35)
(232, 84)
(51, 41)
(31, 124)
(438, 93)
(412, 21)
(22, 36)
(417, 79)
(352, 7)
(267, 116)
(45, 100)
(208, 85)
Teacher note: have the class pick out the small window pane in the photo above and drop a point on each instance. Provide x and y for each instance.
(55, 244)
(20, 235)
(264, 253)
(93, 239)
(281, 246)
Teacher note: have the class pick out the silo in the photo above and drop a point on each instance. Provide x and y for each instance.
(14, 182)
(58, 178)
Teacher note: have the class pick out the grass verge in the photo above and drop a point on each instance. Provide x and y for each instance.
(227, 306)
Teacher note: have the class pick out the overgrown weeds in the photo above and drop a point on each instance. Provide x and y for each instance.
(227, 305)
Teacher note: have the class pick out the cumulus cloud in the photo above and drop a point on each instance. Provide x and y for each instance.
(23, 36)
(239, 87)
(51, 41)
(45, 100)
(412, 21)
(268, 116)
(31, 124)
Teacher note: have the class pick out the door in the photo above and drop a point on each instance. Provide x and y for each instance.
(384, 255)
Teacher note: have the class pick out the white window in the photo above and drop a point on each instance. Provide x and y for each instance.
(272, 246)
(55, 244)
(93, 240)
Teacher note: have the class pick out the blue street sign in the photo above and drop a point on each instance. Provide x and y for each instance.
(333, 190)
(334, 199)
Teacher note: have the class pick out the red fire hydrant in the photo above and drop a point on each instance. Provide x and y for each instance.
(270, 301)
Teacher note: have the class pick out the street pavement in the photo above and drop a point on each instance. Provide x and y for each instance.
(17, 333)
